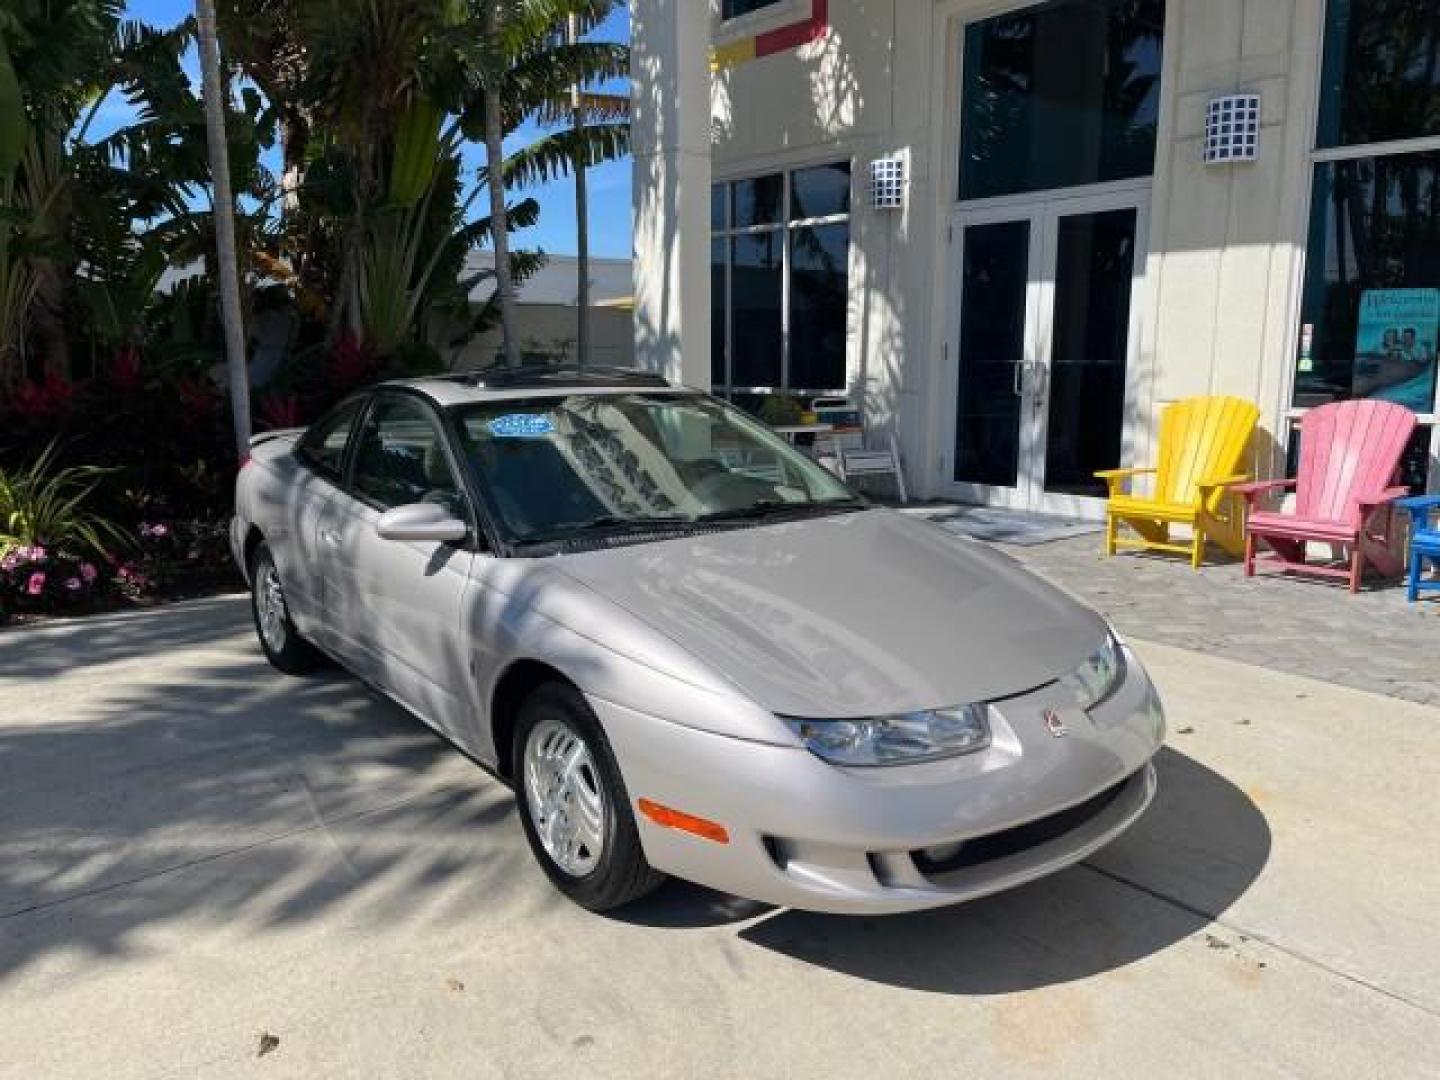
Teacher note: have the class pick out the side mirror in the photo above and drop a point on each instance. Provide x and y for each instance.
(423, 523)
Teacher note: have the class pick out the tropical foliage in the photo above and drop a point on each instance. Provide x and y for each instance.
(367, 147)
(43, 505)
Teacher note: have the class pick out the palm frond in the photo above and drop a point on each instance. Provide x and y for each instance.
(555, 155)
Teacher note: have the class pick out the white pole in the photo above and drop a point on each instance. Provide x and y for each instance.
(224, 209)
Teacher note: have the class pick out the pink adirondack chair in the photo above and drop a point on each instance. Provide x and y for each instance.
(1349, 455)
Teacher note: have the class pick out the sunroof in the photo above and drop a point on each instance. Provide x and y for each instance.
(534, 376)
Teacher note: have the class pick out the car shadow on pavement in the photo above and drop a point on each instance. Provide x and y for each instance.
(1195, 852)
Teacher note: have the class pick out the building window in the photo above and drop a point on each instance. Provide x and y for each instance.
(1059, 95)
(1372, 293)
(1370, 310)
(733, 9)
(1382, 71)
(779, 265)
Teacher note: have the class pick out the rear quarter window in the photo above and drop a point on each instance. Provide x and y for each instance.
(323, 446)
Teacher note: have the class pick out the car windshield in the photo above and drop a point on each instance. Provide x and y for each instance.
(562, 468)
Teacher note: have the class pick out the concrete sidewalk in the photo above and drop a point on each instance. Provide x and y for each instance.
(199, 856)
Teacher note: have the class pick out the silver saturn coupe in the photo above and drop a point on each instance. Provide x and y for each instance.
(690, 649)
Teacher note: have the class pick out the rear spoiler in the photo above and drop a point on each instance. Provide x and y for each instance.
(279, 433)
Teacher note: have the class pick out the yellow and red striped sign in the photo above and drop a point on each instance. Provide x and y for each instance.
(773, 41)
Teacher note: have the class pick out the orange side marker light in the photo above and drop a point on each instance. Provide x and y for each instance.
(675, 819)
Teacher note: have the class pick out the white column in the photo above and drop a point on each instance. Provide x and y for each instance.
(670, 135)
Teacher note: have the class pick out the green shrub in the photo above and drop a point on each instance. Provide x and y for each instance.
(44, 506)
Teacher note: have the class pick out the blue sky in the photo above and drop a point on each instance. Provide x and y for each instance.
(555, 231)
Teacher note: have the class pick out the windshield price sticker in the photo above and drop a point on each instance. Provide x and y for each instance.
(521, 426)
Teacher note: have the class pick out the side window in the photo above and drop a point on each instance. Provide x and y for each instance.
(323, 446)
(400, 458)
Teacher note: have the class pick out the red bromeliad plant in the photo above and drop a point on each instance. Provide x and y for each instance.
(350, 364)
(125, 374)
(51, 401)
(279, 411)
(198, 400)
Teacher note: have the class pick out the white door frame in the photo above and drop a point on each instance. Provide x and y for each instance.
(1043, 211)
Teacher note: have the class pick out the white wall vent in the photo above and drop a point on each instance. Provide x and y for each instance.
(1232, 129)
(887, 182)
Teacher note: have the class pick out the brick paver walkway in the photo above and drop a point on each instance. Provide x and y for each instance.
(1374, 641)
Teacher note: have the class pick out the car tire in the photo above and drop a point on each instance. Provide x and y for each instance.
(557, 811)
(281, 642)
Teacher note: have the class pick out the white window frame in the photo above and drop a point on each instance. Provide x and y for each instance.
(1292, 413)
(785, 226)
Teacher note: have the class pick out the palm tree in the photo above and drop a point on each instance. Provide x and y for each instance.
(526, 66)
(587, 104)
(54, 56)
(492, 80)
(582, 213)
(224, 211)
(368, 68)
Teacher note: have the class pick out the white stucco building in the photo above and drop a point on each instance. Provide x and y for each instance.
(1064, 261)
(547, 313)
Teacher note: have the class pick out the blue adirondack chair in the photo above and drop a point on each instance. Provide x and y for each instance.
(1424, 541)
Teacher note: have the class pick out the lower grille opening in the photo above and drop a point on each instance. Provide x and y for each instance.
(983, 849)
(776, 850)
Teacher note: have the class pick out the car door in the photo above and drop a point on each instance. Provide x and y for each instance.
(396, 606)
(314, 478)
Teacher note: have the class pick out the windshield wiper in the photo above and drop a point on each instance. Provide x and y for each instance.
(775, 507)
(607, 523)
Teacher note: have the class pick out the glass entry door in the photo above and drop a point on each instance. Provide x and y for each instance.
(1044, 333)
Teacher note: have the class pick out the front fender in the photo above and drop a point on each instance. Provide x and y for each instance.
(522, 610)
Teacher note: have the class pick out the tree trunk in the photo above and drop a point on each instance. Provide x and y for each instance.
(582, 215)
(499, 224)
(500, 231)
(224, 211)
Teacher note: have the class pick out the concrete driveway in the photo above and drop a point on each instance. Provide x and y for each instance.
(201, 860)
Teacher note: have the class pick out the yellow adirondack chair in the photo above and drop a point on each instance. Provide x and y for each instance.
(1202, 443)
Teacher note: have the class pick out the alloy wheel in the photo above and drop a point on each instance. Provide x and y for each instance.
(270, 607)
(564, 797)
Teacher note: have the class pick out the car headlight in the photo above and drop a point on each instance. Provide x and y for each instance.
(1095, 680)
(902, 739)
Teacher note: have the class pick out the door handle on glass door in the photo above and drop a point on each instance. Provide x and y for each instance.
(328, 537)
(1039, 382)
(1018, 383)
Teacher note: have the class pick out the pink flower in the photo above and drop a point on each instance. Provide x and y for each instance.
(74, 584)
(88, 572)
(160, 532)
(10, 561)
(37, 584)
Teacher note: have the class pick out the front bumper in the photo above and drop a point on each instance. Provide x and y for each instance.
(806, 834)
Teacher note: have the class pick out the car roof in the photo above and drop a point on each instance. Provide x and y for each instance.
(539, 380)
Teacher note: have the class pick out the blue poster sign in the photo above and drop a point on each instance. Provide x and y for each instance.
(1395, 346)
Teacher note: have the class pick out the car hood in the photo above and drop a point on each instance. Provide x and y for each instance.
(849, 615)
